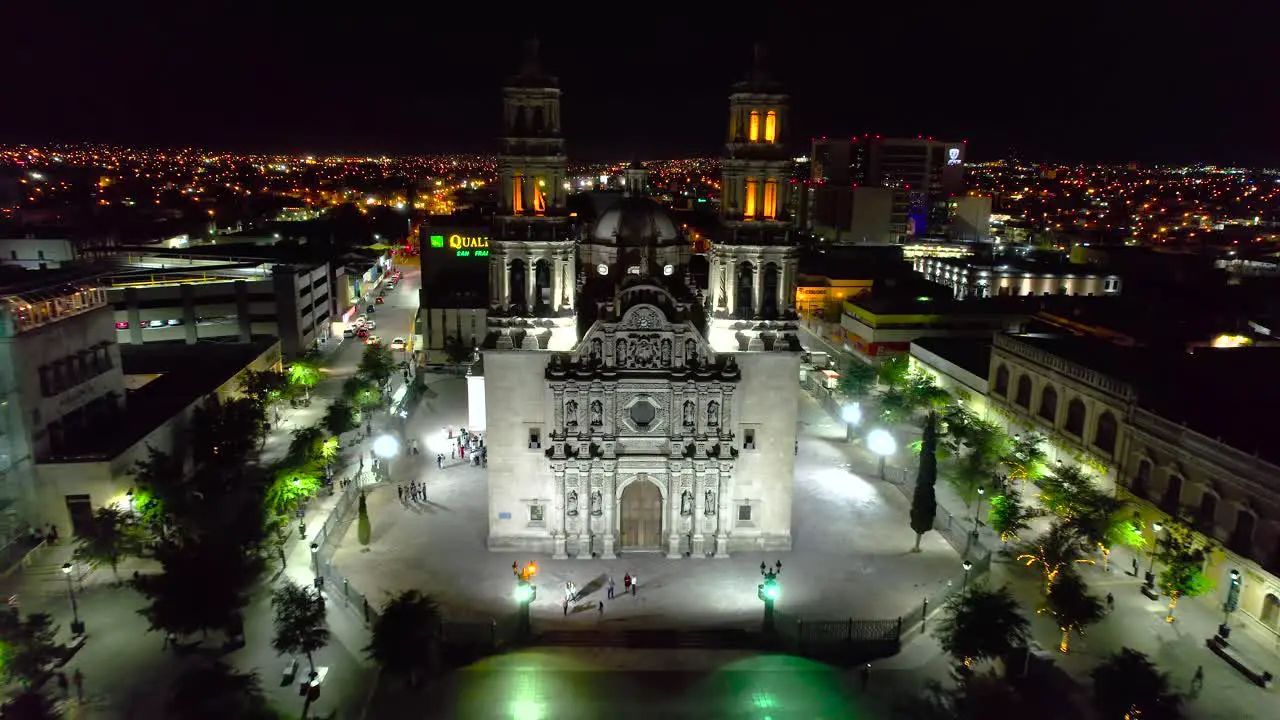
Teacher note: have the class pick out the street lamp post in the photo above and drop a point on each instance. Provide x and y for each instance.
(1155, 543)
(526, 591)
(768, 591)
(77, 627)
(967, 567)
(977, 511)
(315, 564)
(881, 443)
(1230, 606)
(852, 415)
(386, 447)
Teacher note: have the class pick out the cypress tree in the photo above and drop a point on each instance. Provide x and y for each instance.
(924, 504)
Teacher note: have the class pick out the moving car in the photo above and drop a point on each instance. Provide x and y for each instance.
(379, 300)
(362, 333)
(369, 324)
(397, 344)
(372, 340)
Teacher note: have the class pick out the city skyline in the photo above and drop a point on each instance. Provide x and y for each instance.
(268, 81)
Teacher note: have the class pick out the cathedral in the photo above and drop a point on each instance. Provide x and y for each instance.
(625, 408)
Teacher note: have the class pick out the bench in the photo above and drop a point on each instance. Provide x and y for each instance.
(290, 672)
(1222, 649)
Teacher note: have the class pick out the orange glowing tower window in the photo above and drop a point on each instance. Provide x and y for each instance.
(750, 201)
(540, 197)
(771, 199)
(771, 127)
(753, 128)
(517, 194)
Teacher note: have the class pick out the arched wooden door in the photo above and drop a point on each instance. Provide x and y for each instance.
(641, 516)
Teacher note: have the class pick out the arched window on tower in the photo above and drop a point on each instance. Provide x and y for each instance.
(540, 196)
(770, 198)
(749, 202)
(753, 127)
(517, 194)
(771, 127)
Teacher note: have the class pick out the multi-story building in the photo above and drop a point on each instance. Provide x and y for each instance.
(886, 324)
(37, 253)
(971, 278)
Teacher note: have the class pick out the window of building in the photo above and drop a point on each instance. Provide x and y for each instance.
(643, 413)
(1023, 396)
(1002, 381)
(770, 199)
(749, 439)
(1270, 615)
(1104, 437)
(517, 194)
(1075, 417)
(749, 202)
(1207, 515)
(40, 255)
(537, 513)
(771, 127)
(1242, 536)
(753, 127)
(540, 197)
(1172, 499)
(535, 438)
(744, 513)
(1048, 403)
(1142, 480)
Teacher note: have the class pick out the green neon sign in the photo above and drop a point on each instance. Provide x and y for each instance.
(437, 241)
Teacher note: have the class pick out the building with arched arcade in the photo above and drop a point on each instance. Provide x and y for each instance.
(625, 408)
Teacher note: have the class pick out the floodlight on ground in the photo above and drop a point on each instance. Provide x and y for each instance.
(851, 413)
(385, 447)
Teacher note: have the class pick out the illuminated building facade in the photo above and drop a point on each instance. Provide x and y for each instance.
(625, 423)
(753, 261)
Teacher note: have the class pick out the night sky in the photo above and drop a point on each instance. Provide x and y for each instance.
(1171, 83)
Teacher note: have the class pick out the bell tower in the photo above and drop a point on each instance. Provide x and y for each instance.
(531, 264)
(753, 261)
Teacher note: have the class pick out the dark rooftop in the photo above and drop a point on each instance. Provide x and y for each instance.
(971, 354)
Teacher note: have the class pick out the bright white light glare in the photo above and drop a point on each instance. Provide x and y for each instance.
(881, 442)
(385, 446)
(851, 413)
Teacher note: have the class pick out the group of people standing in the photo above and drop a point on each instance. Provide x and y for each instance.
(466, 446)
(630, 584)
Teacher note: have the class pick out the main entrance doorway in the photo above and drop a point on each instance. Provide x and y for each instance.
(641, 516)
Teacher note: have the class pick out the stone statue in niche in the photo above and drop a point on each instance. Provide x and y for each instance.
(571, 504)
(686, 503)
(644, 353)
(597, 413)
(571, 414)
(620, 357)
(666, 352)
(710, 500)
(596, 509)
(690, 412)
(713, 414)
(690, 351)
(597, 348)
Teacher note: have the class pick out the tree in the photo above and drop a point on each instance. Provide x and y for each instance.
(203, 586)
(1054, 551)
(26, 647)
(110, 535)
(981, 624)
(1071, 605)
(455, 351)
(306, 448)
(216, 692)
(924, 503)
(31, 704)
(406, 636)
(225, 433)
(1184, 556)
(857, 380)
(304, 372)
(1067, 491)
(892, 371)
(292, 486)
(1128, 685)
(1106, 521)
(300, 624)
(924, 392)
(364, 530)
(377, 364)
(339, 418)
(1008, 516)
(362, 392)
(264, 387)
(1026, 458)
(981, 696)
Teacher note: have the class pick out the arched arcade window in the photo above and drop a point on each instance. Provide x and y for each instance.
(1104, 436)
(1002, 381)
(771, 127)
(753, 126)
(1023, 396)
(1048, 403)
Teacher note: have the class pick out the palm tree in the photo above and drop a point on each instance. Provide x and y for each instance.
(216, 692)
(300, 622)
(1106, 521)
(1127, 685)
(1054, 552)
(1026, 458)
(1066, 491)
(406, 636)
(1071, 605)
(981, 624)
(1008, 516)
(109, 536)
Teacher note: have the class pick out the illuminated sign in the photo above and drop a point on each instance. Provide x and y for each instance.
(462, 245)
(953, 156)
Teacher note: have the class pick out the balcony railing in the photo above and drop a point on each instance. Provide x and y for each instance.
(21, 313)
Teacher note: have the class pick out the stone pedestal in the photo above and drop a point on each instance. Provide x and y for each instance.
(584, 547)
(560, 541)
(699, 549)
(607, 553)
(673, 547)
(722, 546)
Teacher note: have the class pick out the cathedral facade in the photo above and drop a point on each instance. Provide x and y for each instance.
(625, 408)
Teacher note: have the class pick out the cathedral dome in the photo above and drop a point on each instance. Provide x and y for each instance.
(635, 221)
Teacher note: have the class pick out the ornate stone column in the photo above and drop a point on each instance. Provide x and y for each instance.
(560, 536)
(757, 286)
(584, 513)
(726, 409)
(675, 474)
(531, 281)
(722, 535)
(505, 294)
(698, 550)
(610, 520)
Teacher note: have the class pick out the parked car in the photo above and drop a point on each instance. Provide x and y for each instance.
(370, 325)
(349, 332)
(379, 300)
(362, 333)
(372, 340)
(398, 344)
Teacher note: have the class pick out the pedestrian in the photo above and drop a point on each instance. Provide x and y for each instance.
(462, 453)
(1111, 602)
(400, 492)
(626, 583)
(600, 608)
(361, 463)
(565, 604)
(866, 675)
(63, 685)
(635, 584)
(53, 534)
(440, 461)
(1135, 567)
(610, 588)
(453, 453)
(1197, 682)
(78, 679)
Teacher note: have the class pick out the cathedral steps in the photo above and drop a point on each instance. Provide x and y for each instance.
(652, 639)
